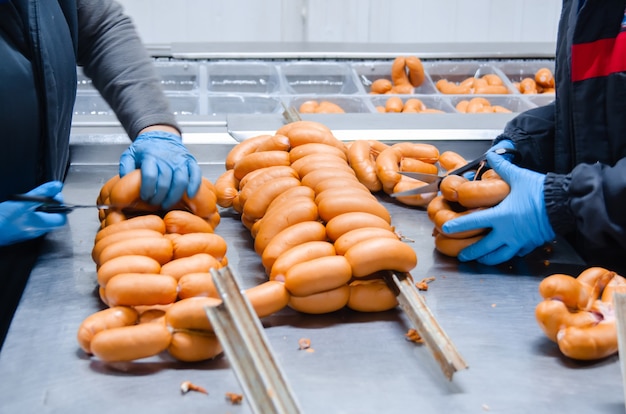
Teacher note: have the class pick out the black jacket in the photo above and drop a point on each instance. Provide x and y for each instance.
(41, 42)
(580, 139)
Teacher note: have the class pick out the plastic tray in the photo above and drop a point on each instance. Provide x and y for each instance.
(459, 71)
(178, 76)
(242, 104)
(431, 101)
(368, 72)
(515, 103)
(243, 77)
(322, 78)
(348, 104)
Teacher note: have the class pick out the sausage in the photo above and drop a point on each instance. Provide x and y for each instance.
(589, 343)
(482, 193)
(450, 185)
(193, 243)
(323, 302)
(416, 70)
(417, 200)
(267, 298)
(315, 148)
(256, 160)
(398, 71)
(312, 163)
(450, 160)
(273, 222)
(371, 296)
(446, 214)
(259, 200)
(447, 87)
(126, 264)
(314, 177)
(394, 104)
(435, 205)
(554, 316)
(308, 107)
(262, 176)
(196, 284)
(371, 255)
(154, 315)
(105, 190)
(287, 128)
(287, 197)
(96, 251)
(158, 248)
(330, 207)
(352, 191)
(544, 78)
(134, 289)
(317, 275)
(109, 318)
(194, 346)
(349, 239)
(298, 254)
(127, 192)
(568, 290)
(190, 313)
(363, 161)
(452, 247)
(128, 343)
(327, 107)
(595, 279)
(199, 262)
(349, 221)
(388, 161)
(183, 222)
(300, 135)
(292, 236)
(227, 187)
(149, 221)
(336, 182)
(381, 86)
(203, 204)
(274, 143)
(242, 149)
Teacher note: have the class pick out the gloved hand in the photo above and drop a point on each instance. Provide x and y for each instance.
(167, 167)
(19, 221)
(519, 224)
(505, 143)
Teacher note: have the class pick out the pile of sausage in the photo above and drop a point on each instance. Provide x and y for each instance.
(578, 313)
(460, 196)
(479, 105)
(315, 223)
(153, 271)
(407, 73)
(487, 84)
(395, 104)
(542, 82)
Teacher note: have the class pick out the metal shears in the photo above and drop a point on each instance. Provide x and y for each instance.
(434, 181)
(50, 205)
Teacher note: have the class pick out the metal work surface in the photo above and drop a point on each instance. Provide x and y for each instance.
(357, 363)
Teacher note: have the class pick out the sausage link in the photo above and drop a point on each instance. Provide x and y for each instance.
(317, 275)
(128, 343)
(242, 149)
(194, 346)
(134, 289)
(197, 284)
(292, 236)
(371, 296)
(158, 248)
(96, 251)
(126, 264)
(267, 298)
(372, 255)
(114, 317)
(259, 200)
(227, 187)
(258, 160)
(349, 239)
(315, 148)
(349, 221)
(149, 221)
(183, 222)
(199, 262)
(190, 244)
(323, 302)
(298, 254)
(190, 313)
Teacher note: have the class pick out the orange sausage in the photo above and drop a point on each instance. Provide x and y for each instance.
(372, 255)
(105, 190)
(274, 143)
(398, 71)
(189, 313)
(114, 317)
(287, 128)
(317, 164)
(352, 191)
(349, 239)
(315, 148)
(183, 222)
(553, 316)
(287, 197)
(128, 343)
(451, 247)
(292, 236)
(278, 219)
(343, 223)
(194, 346)
(317, 275)
(327, 107)
(308, 107)
(256, 160)
(482, 193)
(300, 135)
(416, 70)
(417, 200)
(126, 192)
(197, 263)
(450, 160)
(568, 290)
(134, 289)
(196, 284)
(589, 343)
(227, 187)
(126, 264)
(193, 243)
(544, 78)
(447, 87)
(380, 86)
(158, 248)
(316, 176)
(323, 302)
(371, 296)
(394, 104)
(446, 214)
(150, 221)
(259, 200)
(330, 207)
(258, 177)
(450, 186)
(203, 204)
(96, 251)
(336, 182)
(298, 254)
(242, 149)
(363, 162)
(267, 298)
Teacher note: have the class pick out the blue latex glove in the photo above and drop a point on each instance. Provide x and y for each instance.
(505, 143)
(519, 224)
(19, 221)
(167, 167)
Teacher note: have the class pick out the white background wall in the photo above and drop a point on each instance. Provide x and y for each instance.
(361, 21)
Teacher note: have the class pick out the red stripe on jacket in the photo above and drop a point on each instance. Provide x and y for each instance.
(599, 58)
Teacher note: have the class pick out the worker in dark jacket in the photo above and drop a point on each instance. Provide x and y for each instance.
(41, 43)
(571, 179)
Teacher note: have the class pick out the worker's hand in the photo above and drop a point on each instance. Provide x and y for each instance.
(19, 221)
(519, 224)
(167, 167)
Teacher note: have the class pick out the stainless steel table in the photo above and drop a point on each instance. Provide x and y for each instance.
(361, 362)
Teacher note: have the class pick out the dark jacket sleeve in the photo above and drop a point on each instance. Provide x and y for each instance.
(533, 134)
(116, 60)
